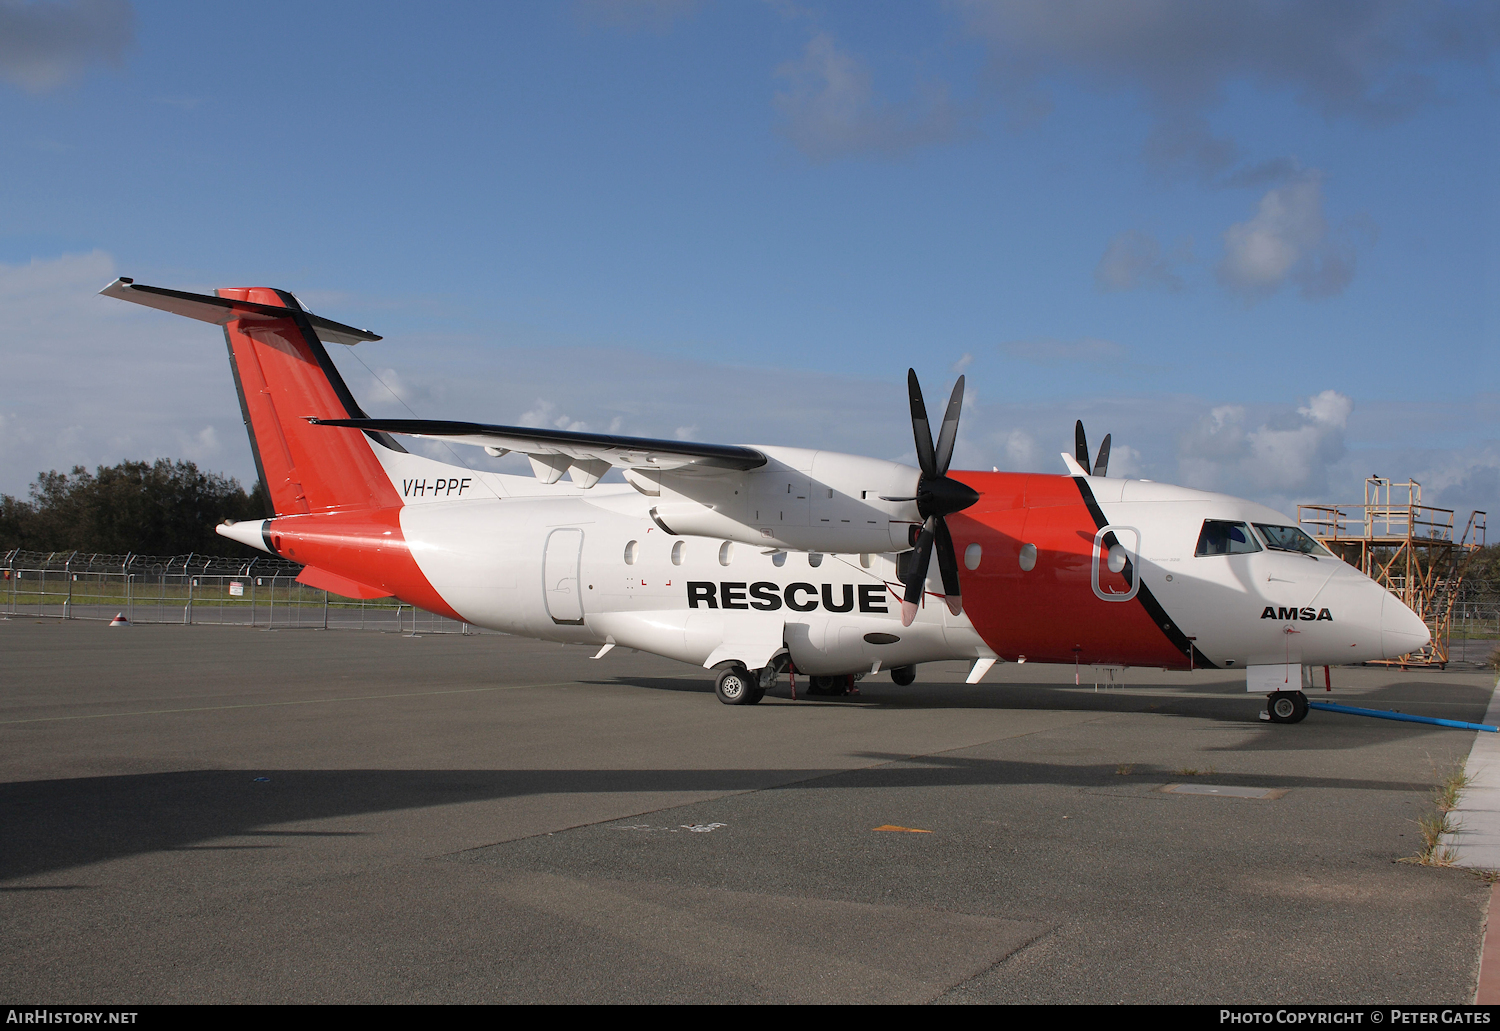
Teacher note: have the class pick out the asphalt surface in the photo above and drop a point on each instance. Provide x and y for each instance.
(218, 814)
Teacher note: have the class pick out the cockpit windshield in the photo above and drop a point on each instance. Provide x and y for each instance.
(1289, 538)
(1222, 537)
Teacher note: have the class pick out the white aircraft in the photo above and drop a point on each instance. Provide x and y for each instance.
(758, 561)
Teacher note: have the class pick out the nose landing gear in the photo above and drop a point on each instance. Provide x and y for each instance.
(1285, 707)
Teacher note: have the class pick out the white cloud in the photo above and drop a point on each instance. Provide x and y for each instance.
(541, 416)
(1134, 260)
(1021, 451)
(1329, 408)
(962, 364)
(1289, 455)
(1124, 460)
(45, 44)
(1288, 239)
(830, 108)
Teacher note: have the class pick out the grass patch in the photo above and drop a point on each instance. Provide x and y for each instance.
(1440, 822)
(1449, 790)
(1193, 771)
(1124, 769)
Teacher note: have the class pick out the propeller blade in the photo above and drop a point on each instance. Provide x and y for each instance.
(919, 426)
(948, 566)
(917, 581)
(949, 433)
(1102, 465)
(1080, 445)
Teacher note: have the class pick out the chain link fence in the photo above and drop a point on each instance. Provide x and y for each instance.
(1476, 609)
(261, 592)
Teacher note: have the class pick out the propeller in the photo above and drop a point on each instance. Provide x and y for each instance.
(1081, 450)
(937, 496)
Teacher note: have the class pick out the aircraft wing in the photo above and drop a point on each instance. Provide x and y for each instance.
(563, 447)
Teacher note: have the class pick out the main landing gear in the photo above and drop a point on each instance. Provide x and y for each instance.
(738, 686)
(829, 687)
(1286, 706)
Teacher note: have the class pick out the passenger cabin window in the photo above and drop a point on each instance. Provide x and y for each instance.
(1289, 538)
(1221, 537)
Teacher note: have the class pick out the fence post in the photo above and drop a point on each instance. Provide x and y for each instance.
(325, 610)
(68, 572)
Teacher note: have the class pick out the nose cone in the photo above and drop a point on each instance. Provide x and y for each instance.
(1401, 629)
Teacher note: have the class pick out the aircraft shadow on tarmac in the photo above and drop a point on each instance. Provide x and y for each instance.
(59, 824)
(1217, 700)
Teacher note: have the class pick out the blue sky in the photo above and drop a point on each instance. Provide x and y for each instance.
(1254, 241)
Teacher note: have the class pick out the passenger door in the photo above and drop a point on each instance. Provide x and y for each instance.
(560, 576)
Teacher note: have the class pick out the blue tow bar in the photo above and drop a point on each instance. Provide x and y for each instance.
(1403, 717)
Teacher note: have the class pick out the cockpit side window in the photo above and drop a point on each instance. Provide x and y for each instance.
(1222, 537)
(1290, 538)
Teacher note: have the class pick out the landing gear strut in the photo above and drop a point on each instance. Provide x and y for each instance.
(1286, 706)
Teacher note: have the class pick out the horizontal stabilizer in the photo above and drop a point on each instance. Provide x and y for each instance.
(323, 580)
(222, 310)
(620, 452)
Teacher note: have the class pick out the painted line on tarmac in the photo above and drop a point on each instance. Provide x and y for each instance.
(302, 701)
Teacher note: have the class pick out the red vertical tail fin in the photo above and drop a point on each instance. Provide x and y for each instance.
(284, 376)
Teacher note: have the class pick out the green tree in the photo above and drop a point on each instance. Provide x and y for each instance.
(150, 508)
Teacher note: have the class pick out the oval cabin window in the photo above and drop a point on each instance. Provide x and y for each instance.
(1028, 557)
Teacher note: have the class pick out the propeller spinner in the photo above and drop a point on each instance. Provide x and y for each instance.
(937, 496)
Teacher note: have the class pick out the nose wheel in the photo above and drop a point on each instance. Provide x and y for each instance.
(1286, 706)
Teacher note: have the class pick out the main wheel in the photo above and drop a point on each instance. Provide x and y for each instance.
(904, 676)
(825, 686)
(735, 686)
(1286, 706)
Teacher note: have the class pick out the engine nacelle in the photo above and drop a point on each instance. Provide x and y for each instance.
(800, 500)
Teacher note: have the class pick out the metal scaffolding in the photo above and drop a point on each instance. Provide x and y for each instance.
(1405, 546)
